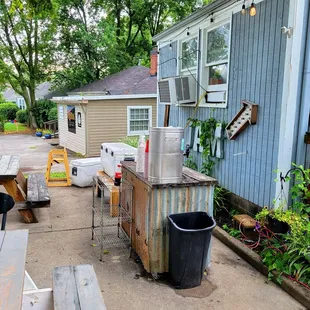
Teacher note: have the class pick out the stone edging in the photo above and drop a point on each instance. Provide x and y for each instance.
(296, 290)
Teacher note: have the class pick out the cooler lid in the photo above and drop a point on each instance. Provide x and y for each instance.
(84, 162)
(119, 148)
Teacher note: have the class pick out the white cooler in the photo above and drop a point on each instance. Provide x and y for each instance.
(113, 153)
(83, 170)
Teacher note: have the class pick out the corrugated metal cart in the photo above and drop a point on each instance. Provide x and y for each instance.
(152, 203)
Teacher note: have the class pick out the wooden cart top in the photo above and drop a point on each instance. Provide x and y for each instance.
(190, 177)
(9, 166)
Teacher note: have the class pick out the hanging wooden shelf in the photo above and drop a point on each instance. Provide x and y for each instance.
(245, 117)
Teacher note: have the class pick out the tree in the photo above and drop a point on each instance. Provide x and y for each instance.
(26, 33)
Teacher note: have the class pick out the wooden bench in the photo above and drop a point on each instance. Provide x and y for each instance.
(76, 288)
(37, 195)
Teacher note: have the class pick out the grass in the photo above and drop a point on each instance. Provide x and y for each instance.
(14, 128)
(56, 175)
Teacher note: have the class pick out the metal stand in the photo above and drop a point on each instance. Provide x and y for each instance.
(108, 216)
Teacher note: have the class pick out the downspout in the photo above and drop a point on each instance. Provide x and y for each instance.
(303, 122)
(86, 126)
(292, 86)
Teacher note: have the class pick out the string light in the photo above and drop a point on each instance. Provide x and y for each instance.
(170, 45)
(158, 51)
(187, 31)
(252, 9)
(211, 19)
(243, 11)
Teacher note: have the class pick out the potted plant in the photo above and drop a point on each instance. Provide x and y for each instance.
(47, 134)
(216, 78)
(39, 132)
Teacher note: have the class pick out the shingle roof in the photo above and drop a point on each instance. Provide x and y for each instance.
(134, 80)
(43, 91)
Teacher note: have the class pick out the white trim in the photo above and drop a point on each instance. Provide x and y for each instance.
(199, 18)
(291, 88)
(86, 99)
(136, 107)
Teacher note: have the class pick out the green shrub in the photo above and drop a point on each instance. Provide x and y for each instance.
(41, 110)
(1, 126)
(52, 114)
(22, 116)
(8, 110)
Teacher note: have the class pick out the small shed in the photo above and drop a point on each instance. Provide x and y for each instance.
(122, 104)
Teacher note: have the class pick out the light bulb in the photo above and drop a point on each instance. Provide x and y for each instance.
(243, 11)
(252, 9)
(170, 46)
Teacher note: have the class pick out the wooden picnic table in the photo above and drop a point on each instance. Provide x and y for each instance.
(12, 178)
(13, 249)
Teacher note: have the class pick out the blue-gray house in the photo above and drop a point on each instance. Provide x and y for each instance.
(230, 51)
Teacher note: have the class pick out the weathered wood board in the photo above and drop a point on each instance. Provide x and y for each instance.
(9, 166)
(76, 288)
(13, 249)
(37, 191)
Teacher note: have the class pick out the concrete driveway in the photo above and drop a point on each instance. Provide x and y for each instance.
(63, 237)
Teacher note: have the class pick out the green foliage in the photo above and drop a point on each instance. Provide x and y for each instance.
(8, 111)
(41, 110)
(47, 131)
(219, 199)
(39, 130)
(233, 232)
(52, 114)
(1, 126)
(207, 135)
(261, 217)
(22, 116)
(131, 140)
(190, 163)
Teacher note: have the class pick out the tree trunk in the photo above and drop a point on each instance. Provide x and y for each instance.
(32, 101)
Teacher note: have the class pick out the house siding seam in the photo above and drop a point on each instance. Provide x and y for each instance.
(107, 121)
(256, 74)
(72, 141)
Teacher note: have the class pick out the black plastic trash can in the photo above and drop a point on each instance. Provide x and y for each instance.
(189, 241)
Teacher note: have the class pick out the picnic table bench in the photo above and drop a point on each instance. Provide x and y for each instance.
(31, 193)
(13, 249)
(76, 288)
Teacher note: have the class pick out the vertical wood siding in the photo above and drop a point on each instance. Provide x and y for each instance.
(73, 141)
(107, 121)
(256, 74)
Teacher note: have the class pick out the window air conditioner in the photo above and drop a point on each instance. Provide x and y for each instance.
(177, 90)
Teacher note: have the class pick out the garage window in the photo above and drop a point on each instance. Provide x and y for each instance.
(139, 120)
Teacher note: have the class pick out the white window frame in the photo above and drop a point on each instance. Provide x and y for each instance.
(205, 66)
(21, 103)
(184, 40)
(137, 107)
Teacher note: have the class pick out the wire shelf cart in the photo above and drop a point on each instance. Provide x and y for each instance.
(111, 222)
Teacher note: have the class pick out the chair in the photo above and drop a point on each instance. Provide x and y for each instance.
(6, 204)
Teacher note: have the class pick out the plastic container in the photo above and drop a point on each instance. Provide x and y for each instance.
(189, 242)
(83, 170)
(113, 153)
(140, 155)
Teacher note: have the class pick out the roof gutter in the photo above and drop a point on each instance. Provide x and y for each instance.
(210, 8)
(86, 99)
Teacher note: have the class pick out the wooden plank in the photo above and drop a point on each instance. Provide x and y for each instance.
(37, 190)
(88, 288)
(12, 189)
(198, 176)
(65, 290)
(12, 269)
(76, 288)
(28, 216)
(22, 181)
(9, 166)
